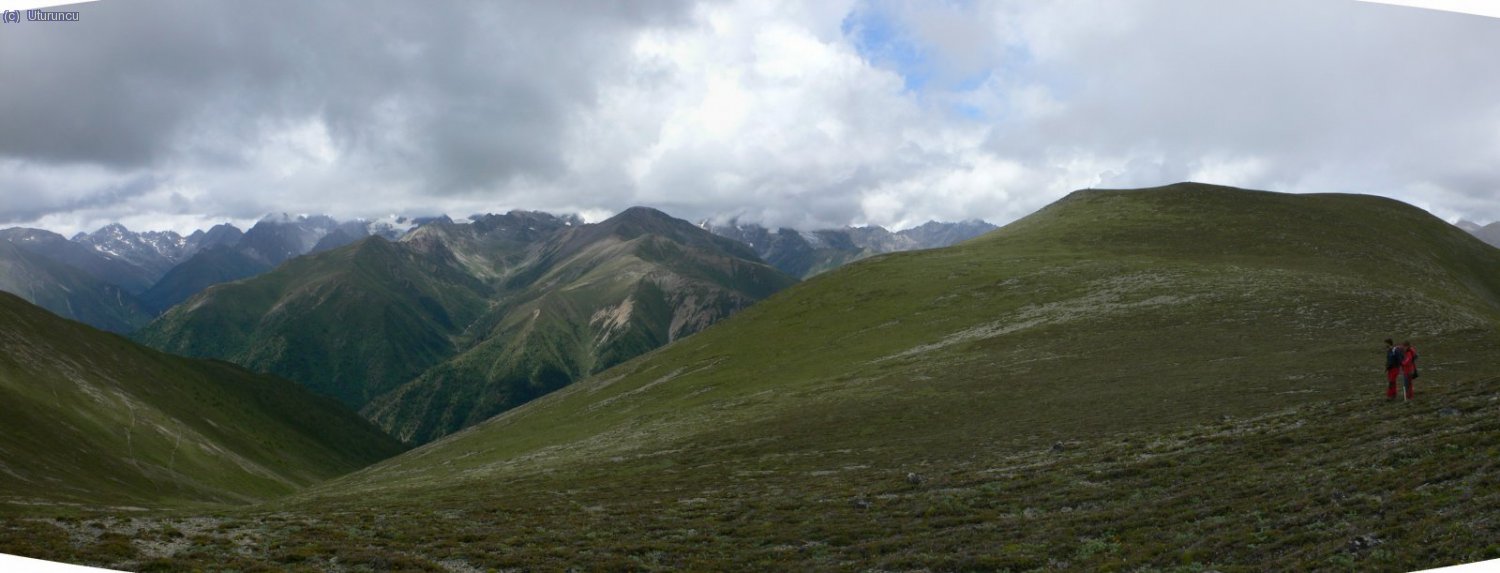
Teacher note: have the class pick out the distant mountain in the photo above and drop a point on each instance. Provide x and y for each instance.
(459, 321)
(349, 232)
(154, 251)
(101, 266)
(114, 256)
(83, 278)
(807, 253)
(1488, 233)
(90, 417)
(219, 264)
(164, 268)
(230, 255)
(276, 238)
(349, 323)
(596, 296)
(932, 234)
(221, 235)
(68, 291)
(394, 309)
(338, 237)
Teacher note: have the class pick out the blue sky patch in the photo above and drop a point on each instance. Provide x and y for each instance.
(878, 38)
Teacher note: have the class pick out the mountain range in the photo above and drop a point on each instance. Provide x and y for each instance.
(273, 240)
(1098, 305)
(457, 322)
(451, 295)
(1184, 377)
(807, 253)
(1488, 233)
(1178, 378)
(67, 291)
(156, 270)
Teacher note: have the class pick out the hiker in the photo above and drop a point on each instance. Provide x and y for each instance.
(1408, 365)
(1393, 357)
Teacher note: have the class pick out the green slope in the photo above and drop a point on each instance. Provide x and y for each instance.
(1177, 379)
(219, 264)
(91, 418)
(1347, 484)
(69, 292)
(1108, 311)
(1112, 317)
(602, 295)
(458, 322)
(351, 323)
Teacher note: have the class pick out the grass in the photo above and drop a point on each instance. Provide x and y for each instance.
(1181, 379)
(614, 301)
(1034, 333)
(350, 323)
(1351, 483)
(430, 335)
(89, 419)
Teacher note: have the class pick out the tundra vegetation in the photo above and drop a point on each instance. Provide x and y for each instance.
(1186, 378)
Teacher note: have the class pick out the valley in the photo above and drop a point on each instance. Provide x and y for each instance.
(1179, 379)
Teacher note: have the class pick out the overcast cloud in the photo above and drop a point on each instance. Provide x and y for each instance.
(182, 113)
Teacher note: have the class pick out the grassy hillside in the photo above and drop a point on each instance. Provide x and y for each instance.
(1109, 316)
(1178, 379)
(91, 419)
(1346, 484)
(206, 268)
(1108, 311)
(602, 295)
(351, 323)
(69, 292)
(458, 322)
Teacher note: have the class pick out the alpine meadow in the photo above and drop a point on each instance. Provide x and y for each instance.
(1141, 286)
(1175, 378)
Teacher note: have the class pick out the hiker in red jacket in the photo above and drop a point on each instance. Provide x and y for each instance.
(1408, 365)
(1393, 357)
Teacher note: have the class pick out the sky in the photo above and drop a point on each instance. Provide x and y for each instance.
(178, 114)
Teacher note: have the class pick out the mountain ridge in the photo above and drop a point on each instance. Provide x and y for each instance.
(516, 304)
(661, 279)
(1141, 277)
(68, 291)
(91, 418)
(164, 268)
(1181, 378)
(807, 253)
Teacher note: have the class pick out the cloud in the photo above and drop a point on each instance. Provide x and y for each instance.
(767, 112)
(790, 113)
(1316, 96)
(441, 102)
